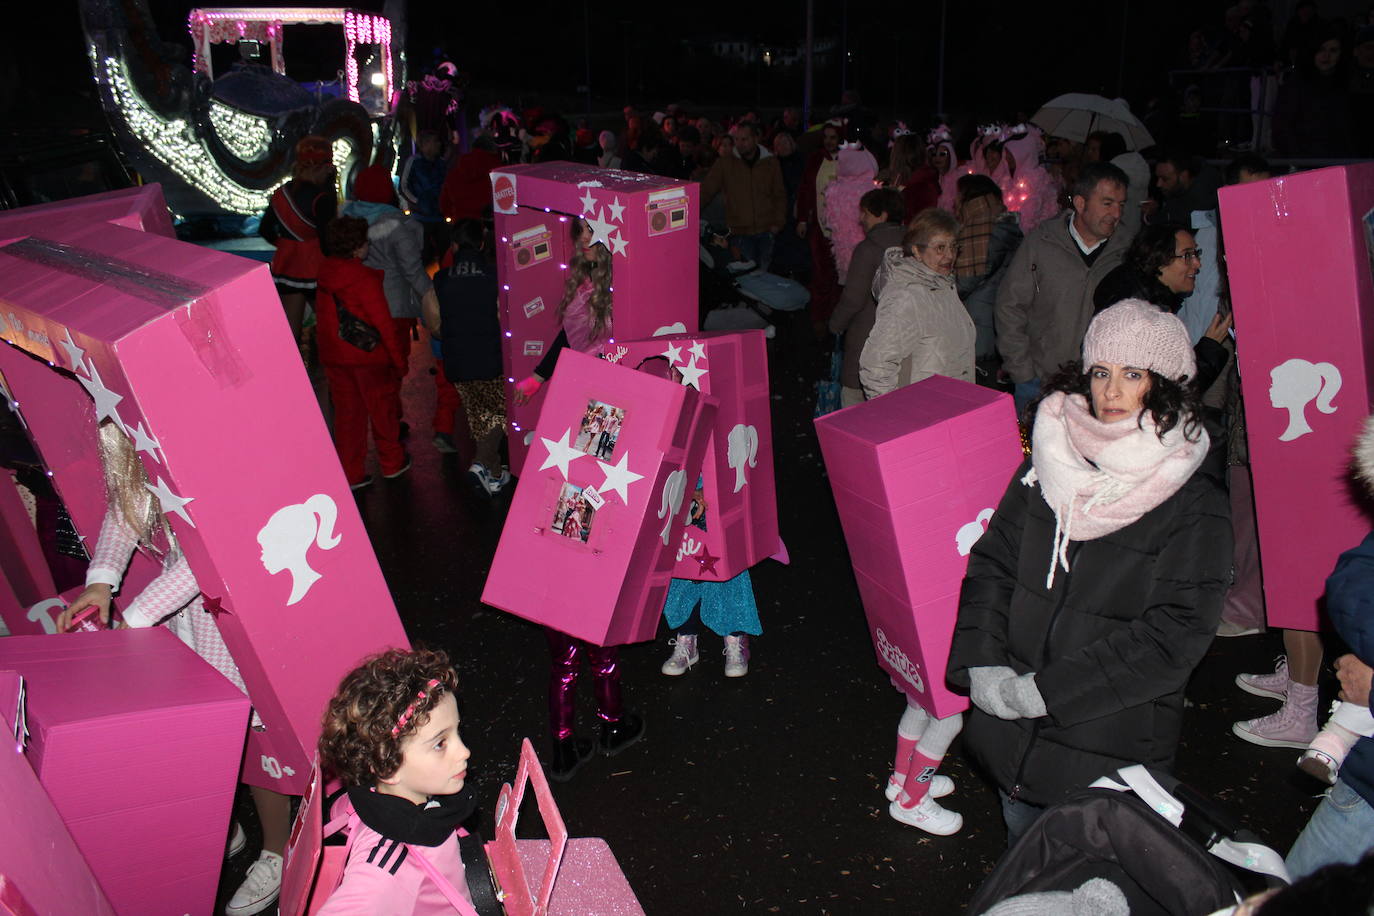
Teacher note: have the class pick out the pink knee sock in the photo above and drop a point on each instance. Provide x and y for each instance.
(918, 781)
(905, 748)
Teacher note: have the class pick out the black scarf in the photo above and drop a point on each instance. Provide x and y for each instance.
(398, 819)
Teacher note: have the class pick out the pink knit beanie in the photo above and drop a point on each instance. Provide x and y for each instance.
(1135, 333)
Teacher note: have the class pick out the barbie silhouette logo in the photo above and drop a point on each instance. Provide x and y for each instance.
(1297, 382)
(969, 534)
(674, 489)
(742, 447)
(287, 537)
(895, 657)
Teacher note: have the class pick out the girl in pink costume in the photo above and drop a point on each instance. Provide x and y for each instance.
(586, 315)
(134, 521)
(940, 154)
(855, 174)
(1034, 193)
(989, 156)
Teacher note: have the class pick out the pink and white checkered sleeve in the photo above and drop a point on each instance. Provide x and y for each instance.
(113, 549)
(171, 591)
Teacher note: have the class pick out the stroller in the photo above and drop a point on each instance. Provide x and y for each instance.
(1169, 851)
(736, 296)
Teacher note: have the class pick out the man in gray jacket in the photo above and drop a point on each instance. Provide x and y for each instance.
(1046, 299)
(882, 213)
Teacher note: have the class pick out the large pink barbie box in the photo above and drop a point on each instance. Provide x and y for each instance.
(648, 223)
(917, 474)
(732, 521)
(137, 742)
(591, 540)
(1299, 252)
(134, 208)
(41, 870)
(188, 352)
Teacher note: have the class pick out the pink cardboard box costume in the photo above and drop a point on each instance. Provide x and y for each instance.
(917, 474)
(737, 474)
(591, 540)
(188, 351)
(136, 740)
(1302, 345)
(648, 223)
(133, 208)
(40, 865)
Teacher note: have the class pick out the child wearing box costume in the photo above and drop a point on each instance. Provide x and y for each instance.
(391, 734)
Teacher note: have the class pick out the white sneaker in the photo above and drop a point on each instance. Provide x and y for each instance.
(260, 889)
(940, 786)
(684, 656)
(736, 656)
(237, 841)
(929, 816)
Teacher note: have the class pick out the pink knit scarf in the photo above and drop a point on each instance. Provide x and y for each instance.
(1100, 477)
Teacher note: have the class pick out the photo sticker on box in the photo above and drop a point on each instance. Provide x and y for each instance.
(531, 246)
(599, 429)
(667, 211)
(534, 306)
(573, 513)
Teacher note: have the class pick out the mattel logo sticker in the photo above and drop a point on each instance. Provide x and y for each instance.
(534, 348)
(534, 306)
(503, 193)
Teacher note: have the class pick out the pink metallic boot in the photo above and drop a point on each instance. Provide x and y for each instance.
(1294, 725)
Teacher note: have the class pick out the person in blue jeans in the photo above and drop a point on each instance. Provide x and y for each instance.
(1342, 827)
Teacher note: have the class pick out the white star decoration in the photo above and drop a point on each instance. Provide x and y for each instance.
(618, 245)
(619, 477)
(674, 353)
(170, 501)
(106, 400)
(588, 202)
(561, 454)
(75, 354)
(616, 210)
(691, 374)
(601, 230)
(145, 441)
(697, 350)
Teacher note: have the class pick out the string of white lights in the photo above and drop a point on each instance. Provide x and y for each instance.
(246, 136)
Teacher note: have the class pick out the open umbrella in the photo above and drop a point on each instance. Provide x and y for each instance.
(1076, 114)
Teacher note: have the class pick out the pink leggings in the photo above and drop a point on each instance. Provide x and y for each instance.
(565, 667)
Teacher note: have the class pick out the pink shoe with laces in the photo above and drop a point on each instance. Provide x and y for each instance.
(1293, 725)
(1267, 685)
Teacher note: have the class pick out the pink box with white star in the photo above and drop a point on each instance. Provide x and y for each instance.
(1299, 252)
(732, 519)
(591, 539)
(917, 474)
(136, 741)
(648, 223)
(187, 349)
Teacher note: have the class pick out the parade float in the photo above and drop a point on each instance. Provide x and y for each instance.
(217, 131)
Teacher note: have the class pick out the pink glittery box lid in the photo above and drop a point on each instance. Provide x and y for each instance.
(589, 880)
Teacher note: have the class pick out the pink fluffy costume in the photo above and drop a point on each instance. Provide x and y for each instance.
(941, 138)
(1034, 193)
(855, 171)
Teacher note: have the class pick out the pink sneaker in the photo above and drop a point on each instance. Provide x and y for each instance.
(1293, 725)
(1267, 685)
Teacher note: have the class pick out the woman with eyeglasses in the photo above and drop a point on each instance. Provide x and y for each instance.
(922, 328)
(1161, 267)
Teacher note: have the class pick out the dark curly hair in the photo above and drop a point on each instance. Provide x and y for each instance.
(1168, 402)
(1152, 249)
(356, 743)
(343, 236)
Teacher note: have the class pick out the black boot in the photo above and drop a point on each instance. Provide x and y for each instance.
(568, 756)
(617, 736)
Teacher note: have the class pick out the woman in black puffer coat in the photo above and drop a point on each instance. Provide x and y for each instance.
(1099, 583)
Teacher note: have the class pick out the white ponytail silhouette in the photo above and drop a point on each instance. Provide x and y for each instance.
(968, 535)
(743, 445)
(674, 488)
(1296, 382)
(288, 535)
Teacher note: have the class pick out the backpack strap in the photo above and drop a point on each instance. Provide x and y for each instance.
(445, 886)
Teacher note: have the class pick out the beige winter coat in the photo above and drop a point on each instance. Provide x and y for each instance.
(922, 328)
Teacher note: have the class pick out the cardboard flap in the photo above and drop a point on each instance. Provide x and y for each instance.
(513, 884)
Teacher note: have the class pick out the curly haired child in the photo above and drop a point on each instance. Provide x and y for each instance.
(390, 734)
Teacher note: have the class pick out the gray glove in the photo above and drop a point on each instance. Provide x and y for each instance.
(985, 691)
(1022, 696)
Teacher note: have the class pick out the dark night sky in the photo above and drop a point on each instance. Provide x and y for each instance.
(1001, 58)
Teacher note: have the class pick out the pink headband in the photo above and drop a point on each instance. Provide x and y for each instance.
(410, 710)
